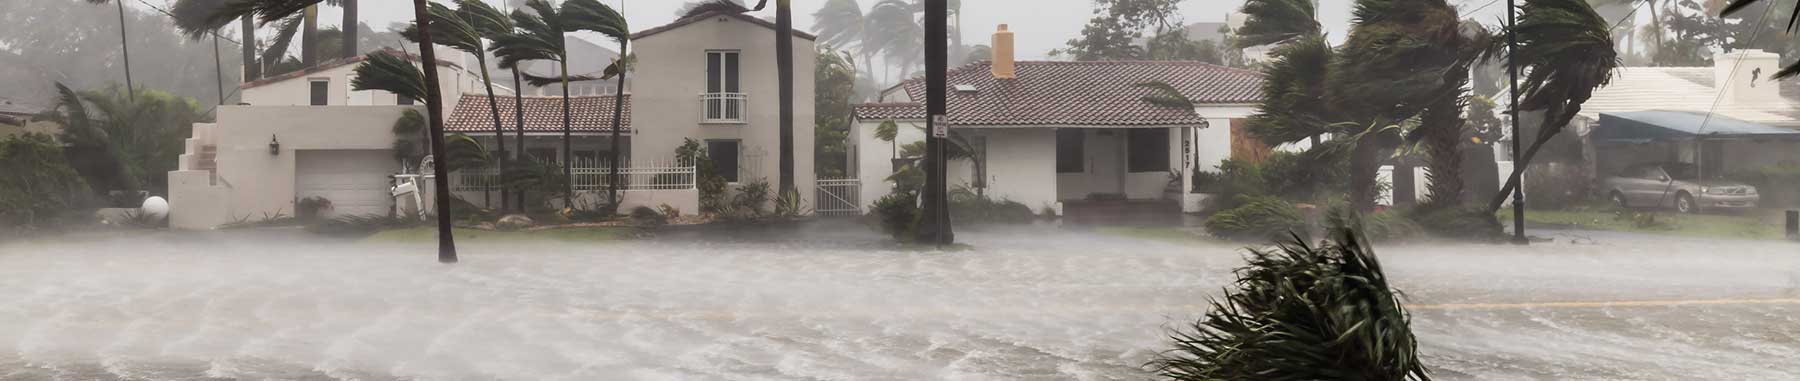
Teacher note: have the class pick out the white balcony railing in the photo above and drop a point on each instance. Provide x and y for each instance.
(723, 108)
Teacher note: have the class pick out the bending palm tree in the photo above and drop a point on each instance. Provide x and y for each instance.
(462, 29)
(1565, 51)
(784, 73)
(540, 37)
(592, 16)
(194, 19)
(270, 10)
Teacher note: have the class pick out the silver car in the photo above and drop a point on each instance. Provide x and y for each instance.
(1675, 185)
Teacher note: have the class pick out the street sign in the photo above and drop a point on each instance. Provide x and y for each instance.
(940, 126)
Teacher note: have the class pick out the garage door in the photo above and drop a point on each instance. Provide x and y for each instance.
(356, 181)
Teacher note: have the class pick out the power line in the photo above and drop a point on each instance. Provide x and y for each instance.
(171, 15)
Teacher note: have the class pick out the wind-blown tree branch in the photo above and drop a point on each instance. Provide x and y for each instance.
(457, 29)
(1293, 107)
(270, 10)
(194, 18)
(539, 36)
(592, 16)
(1565, 51)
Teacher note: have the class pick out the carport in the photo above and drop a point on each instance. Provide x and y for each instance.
(1717, 144)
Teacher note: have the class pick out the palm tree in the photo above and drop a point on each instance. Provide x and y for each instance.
(1293, 106)
(350, 28)
(1566, 51)
(784, 62)
(898, 33)
(271, 10)
(124, 42)
(539, 36)
(463, 29)
(592, 16)
(194, 19)
(840, 23)
(1442, 127)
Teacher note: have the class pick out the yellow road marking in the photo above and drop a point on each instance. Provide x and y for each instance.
(1604, 304)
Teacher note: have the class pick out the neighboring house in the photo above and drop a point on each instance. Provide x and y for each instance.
(306, 134)
(1726, 118)
(16, 118)
(588, 59)
(1061, 132)
(328, 84)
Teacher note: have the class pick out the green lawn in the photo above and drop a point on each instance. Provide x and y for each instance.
(1746, 226)
(583, 234)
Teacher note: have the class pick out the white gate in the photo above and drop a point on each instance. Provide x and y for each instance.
(839, 197)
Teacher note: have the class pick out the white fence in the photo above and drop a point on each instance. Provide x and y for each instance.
(592, 175)
(838, 197)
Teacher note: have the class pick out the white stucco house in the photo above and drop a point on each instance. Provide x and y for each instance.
(710, 78)
(1056, 133)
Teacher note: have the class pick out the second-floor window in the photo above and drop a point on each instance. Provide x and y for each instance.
(321, 92)
(724, 99)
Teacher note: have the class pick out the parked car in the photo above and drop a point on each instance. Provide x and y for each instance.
(1677, 185)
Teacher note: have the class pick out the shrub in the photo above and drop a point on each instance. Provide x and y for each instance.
(644, 215)
(668, 211)
(1301, 313)
(968, 207)
(710, 184)
(1258, 217)
(311, 208)
(751, 198)
(790, 205)
(37, 188)
(360, 226)
(898, 212)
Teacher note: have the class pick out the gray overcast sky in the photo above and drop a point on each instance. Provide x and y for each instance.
(1041, 25)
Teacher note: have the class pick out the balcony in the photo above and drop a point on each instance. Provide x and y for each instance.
(723, 108)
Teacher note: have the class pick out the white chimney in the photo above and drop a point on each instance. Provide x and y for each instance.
(1744, 76)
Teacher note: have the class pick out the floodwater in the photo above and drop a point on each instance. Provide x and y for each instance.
(1028, 304)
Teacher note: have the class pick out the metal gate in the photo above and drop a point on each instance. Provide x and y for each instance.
(839, 197)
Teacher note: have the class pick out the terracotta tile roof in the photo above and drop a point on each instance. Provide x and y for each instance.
(590, 114)
(339, 62)
(704, 16)
(1099, 93)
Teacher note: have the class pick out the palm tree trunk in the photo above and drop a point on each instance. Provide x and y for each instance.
(499, 131)
(612, 177)
(218, 68)
(309, 34)
(519, 128)
(252, 69)
(1548, 131)
(784, 63)
(1365, 164)
(1443, 142)
(434, 108)
(351, 28)
(125, 44)
(568, 164)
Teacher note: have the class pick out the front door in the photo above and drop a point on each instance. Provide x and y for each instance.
(1106, 162)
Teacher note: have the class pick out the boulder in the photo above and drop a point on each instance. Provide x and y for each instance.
(513, 222)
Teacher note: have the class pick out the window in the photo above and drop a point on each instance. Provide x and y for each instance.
(1071, 154)
(404, 100)
(723, 101)
(321, 89)
(1148, 150)
(724, 155)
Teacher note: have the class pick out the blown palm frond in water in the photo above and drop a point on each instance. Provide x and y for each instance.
(1301, 313)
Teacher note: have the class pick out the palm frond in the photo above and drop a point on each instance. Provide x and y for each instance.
(383, 71)
(539, 36)
(488, 21)
(197, 18)
(715, 6)
(284, 36)
(463, 152)
(592, 16)
(1294, 106)
(1165, 95)
(1565, 52)
(840, 23)
(1276, 21)
(448, 28)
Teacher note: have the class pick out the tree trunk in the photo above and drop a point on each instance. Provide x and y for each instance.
(612, 177)
(519, 130)
(434, 107)
(252, 69)
(499, 131)
(784, 63)
(1365, 164)
(568, 135)
(1443, 147)
(351, 28)
(125, 45)
(1552, 125)
(309, 34)
(218, 68)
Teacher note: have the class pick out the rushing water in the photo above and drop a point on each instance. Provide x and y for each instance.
(1035, 304)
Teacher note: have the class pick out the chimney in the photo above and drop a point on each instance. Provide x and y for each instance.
(1745, 76)
(1003, 54)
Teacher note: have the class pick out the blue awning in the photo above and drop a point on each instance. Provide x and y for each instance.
(1650, 126)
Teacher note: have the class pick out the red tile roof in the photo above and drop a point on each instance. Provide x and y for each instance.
(705, 16)
(590, 114)
(1097, 93)
(338, 62)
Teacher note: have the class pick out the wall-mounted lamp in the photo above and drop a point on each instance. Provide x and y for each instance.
(274, 145)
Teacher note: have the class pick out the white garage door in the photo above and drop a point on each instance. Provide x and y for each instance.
(356, 181)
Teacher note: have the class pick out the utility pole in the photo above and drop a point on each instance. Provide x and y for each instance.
(934, 227)
(1512, 69)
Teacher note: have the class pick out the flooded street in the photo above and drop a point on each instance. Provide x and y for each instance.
(1029, 304)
